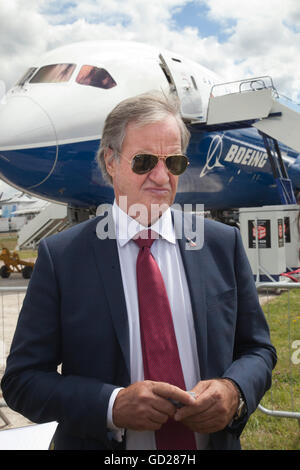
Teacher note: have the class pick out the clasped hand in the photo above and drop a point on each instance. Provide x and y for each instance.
(146, 405)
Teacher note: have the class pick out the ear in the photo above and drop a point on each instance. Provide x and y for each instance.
(110, 161)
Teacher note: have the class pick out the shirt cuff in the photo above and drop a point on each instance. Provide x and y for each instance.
(118, 432)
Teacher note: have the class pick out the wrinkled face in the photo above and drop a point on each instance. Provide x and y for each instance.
(158, 187)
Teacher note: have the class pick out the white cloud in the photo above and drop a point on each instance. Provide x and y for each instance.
(251, 11)
(264, 39)
(29, 29)
(135, 11)
(262, 36)
(21, 37)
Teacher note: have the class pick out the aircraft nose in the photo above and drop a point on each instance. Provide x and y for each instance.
(28, 142)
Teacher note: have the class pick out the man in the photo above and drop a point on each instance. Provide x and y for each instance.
(97, 305)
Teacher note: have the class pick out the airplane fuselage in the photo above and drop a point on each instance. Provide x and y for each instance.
(51, 124)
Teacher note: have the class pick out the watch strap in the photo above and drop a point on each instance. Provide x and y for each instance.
(242, 407)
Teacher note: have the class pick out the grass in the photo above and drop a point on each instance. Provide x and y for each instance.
(265, 432)
(9, 240)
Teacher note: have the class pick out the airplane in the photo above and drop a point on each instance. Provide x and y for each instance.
(52, 119)
(6, 191)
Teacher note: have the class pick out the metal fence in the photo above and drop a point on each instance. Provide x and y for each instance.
(288, 328)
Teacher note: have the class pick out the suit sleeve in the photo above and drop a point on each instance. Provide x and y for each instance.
(254, 355)
(32, 384)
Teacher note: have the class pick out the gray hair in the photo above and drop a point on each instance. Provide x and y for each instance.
(143, 109)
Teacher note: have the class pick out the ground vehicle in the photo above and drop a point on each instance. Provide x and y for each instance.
(13, 264)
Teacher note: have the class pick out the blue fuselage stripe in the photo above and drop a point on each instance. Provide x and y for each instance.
(227, 169)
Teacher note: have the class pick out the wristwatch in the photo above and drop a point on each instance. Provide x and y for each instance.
(242, 407)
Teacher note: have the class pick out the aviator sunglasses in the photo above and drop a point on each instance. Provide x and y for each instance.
(143, 163)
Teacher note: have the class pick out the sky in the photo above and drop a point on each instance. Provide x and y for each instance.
(234, 38)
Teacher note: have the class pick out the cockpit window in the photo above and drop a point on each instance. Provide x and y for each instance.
(26, 76)
(55, 73)
(94, 76)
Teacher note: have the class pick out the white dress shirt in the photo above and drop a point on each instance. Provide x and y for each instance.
(167, 255)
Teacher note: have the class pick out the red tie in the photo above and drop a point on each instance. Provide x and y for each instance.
(160, 352)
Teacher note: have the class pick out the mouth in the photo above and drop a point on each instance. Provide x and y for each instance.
(158, 191)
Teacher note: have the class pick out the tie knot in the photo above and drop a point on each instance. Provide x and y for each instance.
(145, 238)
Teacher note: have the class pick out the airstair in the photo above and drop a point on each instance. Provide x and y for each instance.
(256, 102)
(52, 219)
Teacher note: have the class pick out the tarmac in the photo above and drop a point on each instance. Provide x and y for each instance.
(10, 305)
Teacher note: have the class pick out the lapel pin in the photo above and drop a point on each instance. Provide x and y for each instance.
(191, 243)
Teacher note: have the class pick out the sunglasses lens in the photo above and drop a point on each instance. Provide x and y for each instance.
(177, 164)
(143, 163)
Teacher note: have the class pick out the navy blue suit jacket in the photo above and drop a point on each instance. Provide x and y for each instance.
(74, 314)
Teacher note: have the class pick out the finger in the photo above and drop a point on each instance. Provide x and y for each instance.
(147, 424)
(203, 404)
(205, 425)
(168, 391)
(158, 417)
(200, 418)
(164, 406)
(201, 386)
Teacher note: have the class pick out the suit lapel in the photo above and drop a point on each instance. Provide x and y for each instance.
(108, 265)
(195, 265)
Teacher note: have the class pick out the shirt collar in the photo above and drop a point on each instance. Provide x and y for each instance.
(127, 228)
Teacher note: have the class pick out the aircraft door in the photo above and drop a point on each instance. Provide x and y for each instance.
(183, 83)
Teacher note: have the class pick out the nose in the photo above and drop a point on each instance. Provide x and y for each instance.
(160, 173)
(28, 142)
